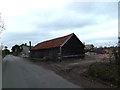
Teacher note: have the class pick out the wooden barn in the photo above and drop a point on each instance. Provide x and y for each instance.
(58, 48)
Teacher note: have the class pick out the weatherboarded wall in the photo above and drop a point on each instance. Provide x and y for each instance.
(73, 47)
(51, 53)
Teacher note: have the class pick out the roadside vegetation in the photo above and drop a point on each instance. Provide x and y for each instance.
(16, 49)
(44, 59)
(108, 72)
(105, 72)
(5, 52)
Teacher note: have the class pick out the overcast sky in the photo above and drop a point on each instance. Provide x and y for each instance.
(35, 20)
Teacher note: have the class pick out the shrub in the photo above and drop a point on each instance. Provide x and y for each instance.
(117, 55)
(105, 72)
(5, 52)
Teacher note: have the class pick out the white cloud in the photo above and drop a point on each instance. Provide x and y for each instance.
(39, 20)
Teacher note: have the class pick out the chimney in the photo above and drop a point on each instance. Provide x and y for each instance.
(30, 44)
(25, 44)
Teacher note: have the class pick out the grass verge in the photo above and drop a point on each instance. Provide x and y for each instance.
(36, 59)
(109, 73)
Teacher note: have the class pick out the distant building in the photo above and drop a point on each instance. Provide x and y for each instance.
(25, 50)
(109, 50)
(89, 47)
(98, 50)
(62, 47)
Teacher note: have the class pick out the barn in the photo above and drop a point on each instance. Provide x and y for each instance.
(62, 47)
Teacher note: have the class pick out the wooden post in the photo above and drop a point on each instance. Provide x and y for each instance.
(60, 54)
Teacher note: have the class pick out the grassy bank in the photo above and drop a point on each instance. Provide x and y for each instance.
(36, 59)
(44, 59)
(106, 72)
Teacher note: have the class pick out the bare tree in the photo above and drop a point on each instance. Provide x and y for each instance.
(2, 24)
(2, 27)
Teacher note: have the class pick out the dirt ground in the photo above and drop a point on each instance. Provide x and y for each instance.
(75, 70)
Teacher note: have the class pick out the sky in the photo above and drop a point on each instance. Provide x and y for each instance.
(40, 20)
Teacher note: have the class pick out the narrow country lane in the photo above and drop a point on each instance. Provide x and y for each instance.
(20, 73)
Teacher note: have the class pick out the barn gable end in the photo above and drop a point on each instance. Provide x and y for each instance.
(73, 47)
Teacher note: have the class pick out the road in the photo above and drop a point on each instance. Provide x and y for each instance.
(20, 73)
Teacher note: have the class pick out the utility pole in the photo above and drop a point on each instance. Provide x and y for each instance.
(118, 39)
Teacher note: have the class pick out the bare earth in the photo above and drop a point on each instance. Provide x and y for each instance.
(75, 70)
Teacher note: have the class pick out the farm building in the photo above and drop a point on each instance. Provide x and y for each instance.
(62, 47)
(109, 50)
(25, 49)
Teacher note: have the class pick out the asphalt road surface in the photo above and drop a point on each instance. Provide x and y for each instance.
(20, 73)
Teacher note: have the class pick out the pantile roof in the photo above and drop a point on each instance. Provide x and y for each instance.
(51, 43)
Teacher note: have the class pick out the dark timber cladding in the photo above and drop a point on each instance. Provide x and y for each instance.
(62, 47)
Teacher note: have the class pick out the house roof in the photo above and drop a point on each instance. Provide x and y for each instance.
(51, 43)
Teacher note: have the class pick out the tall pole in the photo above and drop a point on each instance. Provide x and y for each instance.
(119, 32)
(0, 41)
(30, 44)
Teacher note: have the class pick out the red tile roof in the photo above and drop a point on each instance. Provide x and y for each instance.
(51, 43)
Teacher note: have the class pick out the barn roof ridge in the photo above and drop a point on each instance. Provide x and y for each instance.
(66, 40)
(55, 42)
(56, 38)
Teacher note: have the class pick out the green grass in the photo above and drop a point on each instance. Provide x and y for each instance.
(107, 72)
(44, 59)
(36, 59)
